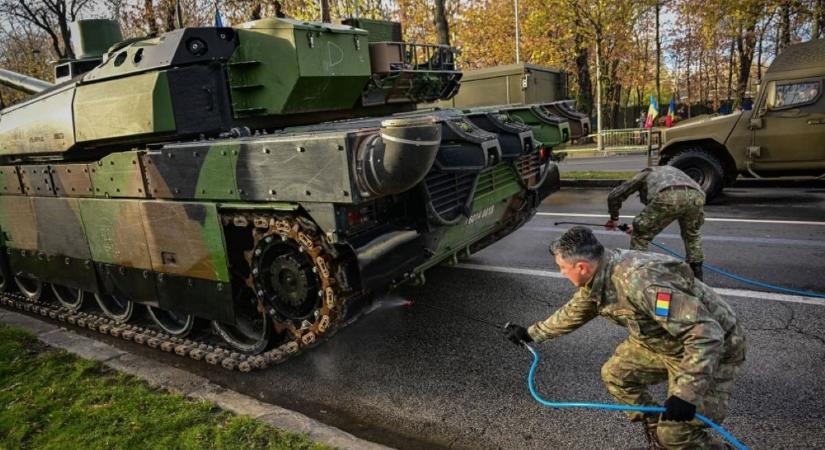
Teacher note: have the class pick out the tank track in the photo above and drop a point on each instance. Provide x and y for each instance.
(196, 350)
(199, 351)
(300, 337)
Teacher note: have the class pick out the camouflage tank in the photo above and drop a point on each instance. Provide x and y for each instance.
(270, 178)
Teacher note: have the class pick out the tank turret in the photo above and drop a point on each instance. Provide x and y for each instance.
(264, 74)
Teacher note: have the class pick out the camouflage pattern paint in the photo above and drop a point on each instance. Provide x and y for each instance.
(18, 223)
(36, 179)
(118, 175)
(10, 181)
(98, 107)
(72, 180)
(60, 227)
(185, 238)
(38, 127)
(287, 66)
(115, 232)
(494, 189)
(202, 172)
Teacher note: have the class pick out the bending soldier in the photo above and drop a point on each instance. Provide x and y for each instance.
(668, 194)
(680, 331)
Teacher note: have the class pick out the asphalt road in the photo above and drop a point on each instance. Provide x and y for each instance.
(615, 163)
(422, 377)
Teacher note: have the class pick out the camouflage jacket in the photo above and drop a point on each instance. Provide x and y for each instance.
(649, 181)
(664, 309)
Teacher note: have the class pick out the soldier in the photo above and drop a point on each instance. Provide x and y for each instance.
(680, 331)
(669, 194)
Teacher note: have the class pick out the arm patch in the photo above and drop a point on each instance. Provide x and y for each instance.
(662, 303)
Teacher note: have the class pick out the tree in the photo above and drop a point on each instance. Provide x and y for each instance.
(51, 17)
(747, 15)
(24, 49)
(440, 22)
(817, 19)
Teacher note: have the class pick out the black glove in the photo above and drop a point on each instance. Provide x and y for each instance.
(517, 334)
(678, 410)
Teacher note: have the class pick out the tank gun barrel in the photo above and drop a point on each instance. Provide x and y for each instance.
(22, 82)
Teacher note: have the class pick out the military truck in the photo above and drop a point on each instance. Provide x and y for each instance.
(783, 136)
(510, 84)
(525, 92)
(269, 178)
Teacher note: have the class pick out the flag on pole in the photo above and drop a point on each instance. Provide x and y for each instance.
(218, 21)
(671, 113)
(652, 112)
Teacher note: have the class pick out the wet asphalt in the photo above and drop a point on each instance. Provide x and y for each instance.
(423, 378)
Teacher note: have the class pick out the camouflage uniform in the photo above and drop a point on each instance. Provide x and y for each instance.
(693, 342)
(669, 194)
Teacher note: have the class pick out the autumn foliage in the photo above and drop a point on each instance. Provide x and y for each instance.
(710, 52)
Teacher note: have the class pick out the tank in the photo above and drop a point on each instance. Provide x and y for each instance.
(270, 179)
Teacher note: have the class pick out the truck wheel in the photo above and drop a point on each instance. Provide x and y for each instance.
(703, 167)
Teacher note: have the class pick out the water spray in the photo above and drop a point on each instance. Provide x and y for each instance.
(498, 326)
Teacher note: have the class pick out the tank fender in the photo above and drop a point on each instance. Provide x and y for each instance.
(386, 256)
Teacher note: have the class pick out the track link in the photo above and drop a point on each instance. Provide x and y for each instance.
(198, 351)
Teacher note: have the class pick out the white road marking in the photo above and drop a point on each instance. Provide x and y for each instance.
(707, 219)
(758, 295)
(706, 237)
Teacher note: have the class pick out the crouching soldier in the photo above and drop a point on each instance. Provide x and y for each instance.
(680, 331)
(668, 194)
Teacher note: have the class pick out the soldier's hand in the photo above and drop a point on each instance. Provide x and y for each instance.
(628, 229)
(678, 410)
(516, 334)
(611, 224)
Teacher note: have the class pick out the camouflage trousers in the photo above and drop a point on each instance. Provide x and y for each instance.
(684, 205)
(633, 367)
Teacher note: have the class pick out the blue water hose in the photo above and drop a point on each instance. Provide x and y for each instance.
(742, 279)
(615, 407)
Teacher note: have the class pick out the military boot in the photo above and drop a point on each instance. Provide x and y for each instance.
(650, 425)
(650, 433)
(697, 270)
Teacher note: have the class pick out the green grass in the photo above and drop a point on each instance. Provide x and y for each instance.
(53, 400)
(596, 175)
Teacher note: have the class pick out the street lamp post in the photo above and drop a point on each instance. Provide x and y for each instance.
(599, 141)
(518, 56)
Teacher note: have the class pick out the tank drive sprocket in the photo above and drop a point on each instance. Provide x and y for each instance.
(294, 274)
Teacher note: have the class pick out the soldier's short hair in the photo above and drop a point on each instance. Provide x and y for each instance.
(577, 244)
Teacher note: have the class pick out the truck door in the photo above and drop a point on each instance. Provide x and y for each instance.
(791, 135)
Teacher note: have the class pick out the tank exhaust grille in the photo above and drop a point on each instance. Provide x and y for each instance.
(494, 179)
(528, 167)
(449, 193)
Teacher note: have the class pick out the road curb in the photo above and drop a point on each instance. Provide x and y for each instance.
(746, 183)
(181, 382)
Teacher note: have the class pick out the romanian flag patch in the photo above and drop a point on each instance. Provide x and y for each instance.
(662, 303)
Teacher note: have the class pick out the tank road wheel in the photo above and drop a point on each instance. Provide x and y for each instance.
(32, 288)
(71, 299)
(115, 308)
(293, 274)
(171, 322)
(252, 330)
